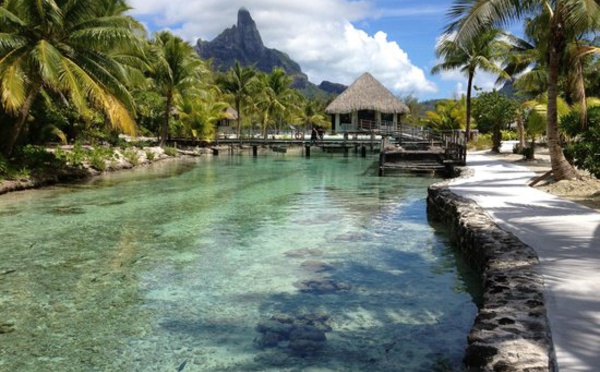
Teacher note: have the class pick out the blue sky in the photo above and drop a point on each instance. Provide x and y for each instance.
(335, 40)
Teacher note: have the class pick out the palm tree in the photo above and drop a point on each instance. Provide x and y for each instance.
(479, 53)
(67, 47)
(567, 17)
(527, 62)
(448, 115)
(238, 84)
(275, 98)
(177, 70)
(312, 113)
(199, 116)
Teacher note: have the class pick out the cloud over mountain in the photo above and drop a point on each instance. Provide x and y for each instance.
(320, 35)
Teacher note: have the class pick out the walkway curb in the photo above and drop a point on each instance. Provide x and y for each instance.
(511, 330)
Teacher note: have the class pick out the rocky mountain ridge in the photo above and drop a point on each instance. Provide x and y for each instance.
(242, 42)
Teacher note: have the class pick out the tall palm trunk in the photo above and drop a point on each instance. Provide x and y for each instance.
(469, 87)
(521, 131)
(580, 93)
(560, 166)
(17, 128)
(165, 126)
(239, 120)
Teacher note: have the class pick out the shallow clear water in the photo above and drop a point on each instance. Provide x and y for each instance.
(173, 268)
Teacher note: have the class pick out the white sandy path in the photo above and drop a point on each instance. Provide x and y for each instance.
(566, 237)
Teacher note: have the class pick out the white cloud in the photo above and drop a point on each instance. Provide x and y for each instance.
(318, 34)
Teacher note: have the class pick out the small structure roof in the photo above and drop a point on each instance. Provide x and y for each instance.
(367, 93)
(230, 114)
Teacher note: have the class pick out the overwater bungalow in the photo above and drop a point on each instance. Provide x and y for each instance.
(366, 106)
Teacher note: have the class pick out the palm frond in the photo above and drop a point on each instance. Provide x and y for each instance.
(13, 86)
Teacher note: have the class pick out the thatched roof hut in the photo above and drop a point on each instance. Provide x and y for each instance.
(366, 105)
(367, 93)
(228, 117)
(230, 114)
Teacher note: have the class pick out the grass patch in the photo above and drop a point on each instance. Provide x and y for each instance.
(170, 151)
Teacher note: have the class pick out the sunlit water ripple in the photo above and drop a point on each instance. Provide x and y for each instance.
(173, 267)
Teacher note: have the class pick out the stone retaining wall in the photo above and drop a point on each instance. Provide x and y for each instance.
(511, 331)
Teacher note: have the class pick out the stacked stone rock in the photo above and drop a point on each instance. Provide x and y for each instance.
(511, 330)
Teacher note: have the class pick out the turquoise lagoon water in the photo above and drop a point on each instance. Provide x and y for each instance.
(172, 268)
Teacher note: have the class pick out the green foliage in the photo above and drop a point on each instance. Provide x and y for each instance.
(29, 161)
(570, 124)
(493, 112)
(98, 157)
(77, 156)
(584, 152)
(529, 152)
(80, 51)
(239, 85)
(31, 156)
(482, 142)
(150, 155)
(97, 162)
(5, 168)
(131, 155)
(170, 151)
(177, 72)
(509, 135)
(449, 114)
(274, 100)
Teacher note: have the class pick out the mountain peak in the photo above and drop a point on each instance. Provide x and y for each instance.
(242, 42)
(248, 35)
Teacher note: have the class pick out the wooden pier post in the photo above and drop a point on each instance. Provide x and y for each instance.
(307, 149)
(215, 151)
(381, 163)
(254, 150)
(363, 151)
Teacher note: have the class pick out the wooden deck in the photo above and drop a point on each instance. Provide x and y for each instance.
(422, 152)
(406, 149)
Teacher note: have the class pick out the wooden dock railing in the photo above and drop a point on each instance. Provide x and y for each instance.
(423, 150)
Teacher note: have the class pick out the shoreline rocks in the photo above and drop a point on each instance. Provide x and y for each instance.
(511, 331)
(86, 171)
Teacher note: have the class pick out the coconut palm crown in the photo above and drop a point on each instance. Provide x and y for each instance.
(69, 47)
(567, 17)
(479, 53)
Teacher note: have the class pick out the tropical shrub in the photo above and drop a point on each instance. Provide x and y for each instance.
(482, 142)
(170, 151)
(528, 152)
(509, 135)
(585, 153)
(570, 124)
(36, 158)
(131, 155)
(4, 167)
(98, 157)
(493, 112)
